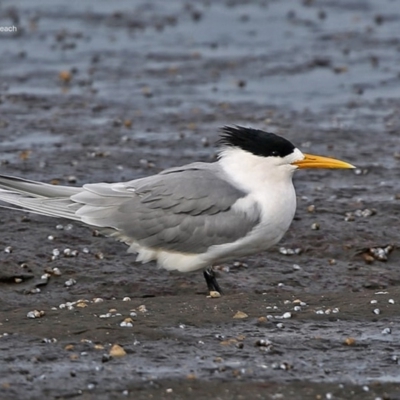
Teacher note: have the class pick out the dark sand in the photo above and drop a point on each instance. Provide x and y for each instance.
(150, 84)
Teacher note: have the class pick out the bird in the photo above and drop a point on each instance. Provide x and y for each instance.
(191, 217)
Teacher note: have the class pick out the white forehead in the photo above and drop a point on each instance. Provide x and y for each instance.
(296, 155)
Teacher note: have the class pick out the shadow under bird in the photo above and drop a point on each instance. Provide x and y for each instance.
(190, 217)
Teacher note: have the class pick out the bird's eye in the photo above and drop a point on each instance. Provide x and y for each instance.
(274, 153)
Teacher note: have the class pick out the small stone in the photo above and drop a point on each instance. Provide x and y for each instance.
(98, 300)
(315, 226)
(105, 358)
(377, 311)
(391, 301)
(142, 308)
(214, 294)
(117, 351)
(126, 299)
(386, 331)
(350, 341)
(35, 314)
(263, 343)
(240, 315)
(70, 282)
(65, 76)
(127, 323)
(287, 315)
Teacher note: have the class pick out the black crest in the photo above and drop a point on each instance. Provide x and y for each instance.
(255, 141)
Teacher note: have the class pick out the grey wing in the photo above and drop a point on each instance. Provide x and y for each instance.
(184, 209)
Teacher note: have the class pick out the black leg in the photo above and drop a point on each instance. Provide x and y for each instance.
(211, 280)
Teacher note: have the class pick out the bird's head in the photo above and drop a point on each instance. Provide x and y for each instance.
(278, 150)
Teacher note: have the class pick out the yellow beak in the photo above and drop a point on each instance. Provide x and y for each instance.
(312, 161)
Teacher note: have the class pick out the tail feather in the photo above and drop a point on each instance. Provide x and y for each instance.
(39, 198)
(36, 189)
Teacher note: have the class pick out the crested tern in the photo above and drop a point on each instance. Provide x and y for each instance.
(190, 217)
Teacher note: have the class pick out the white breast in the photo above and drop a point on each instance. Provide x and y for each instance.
(268, 182)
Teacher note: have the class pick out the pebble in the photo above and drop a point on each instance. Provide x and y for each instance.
(391, 301)
(70, 253)
(287, 251)
(364, 213)
(142, 308)
(70, 282)
(35, 314)
(315, 226)
(240, 315)
(117, 351)
(127, 323)
(386, 331)
(287, 315)
(8, 249)
(374, 301)
(377, 311)
(311, 208)
(350, 341)
(98, 300)
(46, 340)
(45, 277)
(263, 343)
(126, 299)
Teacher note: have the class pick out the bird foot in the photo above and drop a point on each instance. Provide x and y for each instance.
(212, 284)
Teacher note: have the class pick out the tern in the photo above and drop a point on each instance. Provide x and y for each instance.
(190, 217)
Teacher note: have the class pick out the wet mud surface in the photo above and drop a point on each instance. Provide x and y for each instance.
(108, 91)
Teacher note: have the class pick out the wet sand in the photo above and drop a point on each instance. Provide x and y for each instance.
(111, 91)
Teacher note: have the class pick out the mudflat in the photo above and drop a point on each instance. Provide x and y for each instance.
(110, 91)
